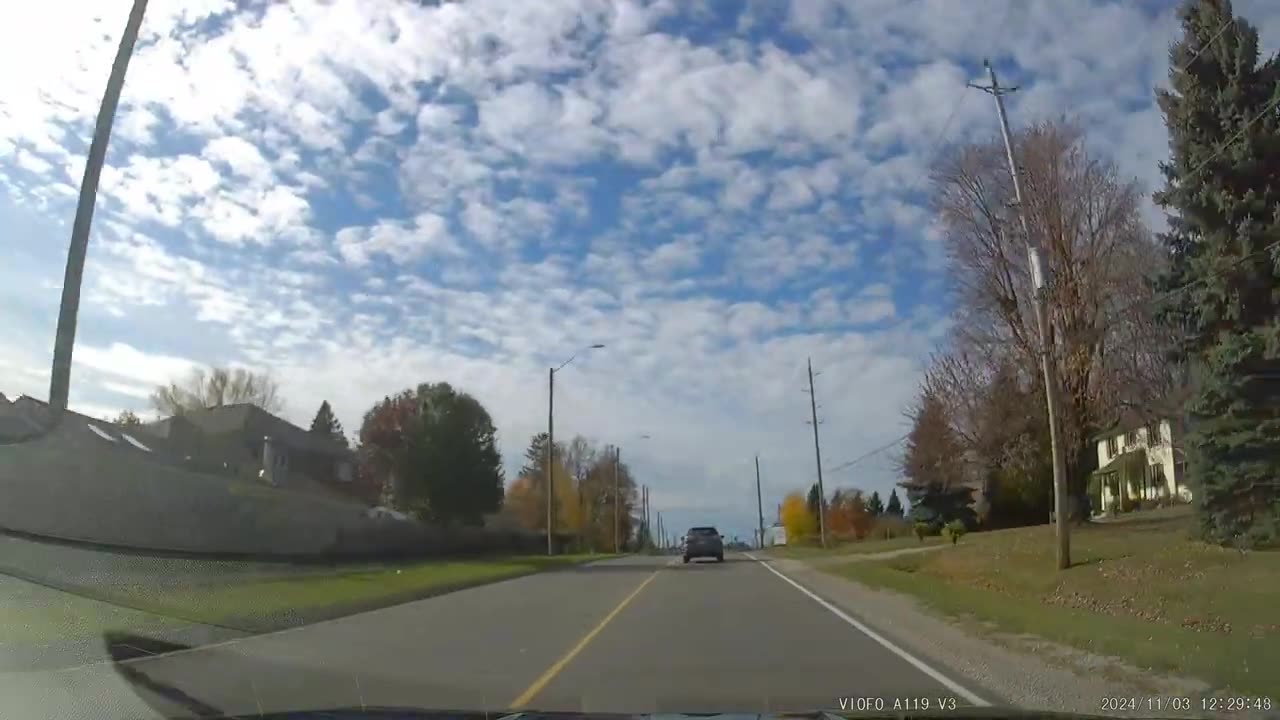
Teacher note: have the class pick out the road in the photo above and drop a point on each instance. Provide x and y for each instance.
(638, 634)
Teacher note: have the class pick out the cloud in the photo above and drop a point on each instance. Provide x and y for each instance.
(360, 196)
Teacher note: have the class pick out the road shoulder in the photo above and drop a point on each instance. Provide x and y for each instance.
(1027, 674)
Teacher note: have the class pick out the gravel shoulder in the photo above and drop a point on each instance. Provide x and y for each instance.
(1009, 671)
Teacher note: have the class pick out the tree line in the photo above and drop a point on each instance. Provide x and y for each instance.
(589, 482)
(850, 515)
(1183, 324)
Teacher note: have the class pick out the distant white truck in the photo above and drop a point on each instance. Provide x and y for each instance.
(775, 535)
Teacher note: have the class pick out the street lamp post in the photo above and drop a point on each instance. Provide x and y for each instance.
(551, 444)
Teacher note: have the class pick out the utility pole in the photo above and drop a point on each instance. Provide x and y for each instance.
(64, 338)
(817, 452)
(1036, 266)
(617, 500)
(551, 449)
(643, 536)
(759, 503)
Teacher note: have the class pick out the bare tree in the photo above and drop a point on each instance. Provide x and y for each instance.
(1088, 220)
(127, 418)
(215, 388)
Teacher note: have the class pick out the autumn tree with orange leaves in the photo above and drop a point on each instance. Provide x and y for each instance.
(847, 515)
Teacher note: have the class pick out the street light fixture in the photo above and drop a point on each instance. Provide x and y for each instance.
(551, 441)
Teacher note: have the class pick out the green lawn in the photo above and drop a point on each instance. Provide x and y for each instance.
(1138, 589)
(35, 615)
(804, 552)
(259, 604)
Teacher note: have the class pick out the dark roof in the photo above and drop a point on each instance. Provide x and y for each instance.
(36, 415)
(242, 417)
(15, 422)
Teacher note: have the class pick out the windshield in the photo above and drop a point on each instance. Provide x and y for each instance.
(364, 353)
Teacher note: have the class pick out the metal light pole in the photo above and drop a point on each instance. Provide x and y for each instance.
(65, 338)
(1035, 262)
(551, 444)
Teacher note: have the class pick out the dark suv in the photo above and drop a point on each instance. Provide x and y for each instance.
(703, 542)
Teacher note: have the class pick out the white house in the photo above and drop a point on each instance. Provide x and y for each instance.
(1139, 459)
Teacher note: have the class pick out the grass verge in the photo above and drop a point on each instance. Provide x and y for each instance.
(1140, 590)
(261, 605)
(862, 547)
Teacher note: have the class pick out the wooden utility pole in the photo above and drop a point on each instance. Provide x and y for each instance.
(759, 502)
(817, 452)
(1047, 365)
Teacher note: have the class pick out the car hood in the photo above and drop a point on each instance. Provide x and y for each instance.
(422, 714)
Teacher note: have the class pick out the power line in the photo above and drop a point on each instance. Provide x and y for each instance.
(936, 145)
(868, 454)
(1207, 45)
(1172, 292)
(1239, 133)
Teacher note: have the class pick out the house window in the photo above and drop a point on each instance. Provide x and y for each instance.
(1153, 433)
(1113, 446)
(1131, 438)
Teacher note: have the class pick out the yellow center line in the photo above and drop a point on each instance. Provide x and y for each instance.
(543, 680)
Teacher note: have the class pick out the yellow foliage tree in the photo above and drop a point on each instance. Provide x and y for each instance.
(799, 523)
(522, 504)
(526, 502)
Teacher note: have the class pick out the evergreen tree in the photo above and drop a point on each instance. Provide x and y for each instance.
(326, 423)
(874, 505)
(930, 466)
(813, 500)
(894, 508)
(1222, 194)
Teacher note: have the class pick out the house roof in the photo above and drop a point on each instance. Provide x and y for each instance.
(1113, 465)
(241, 416)
(34, 413)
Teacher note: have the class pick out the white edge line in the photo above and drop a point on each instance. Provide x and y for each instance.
(919, 664)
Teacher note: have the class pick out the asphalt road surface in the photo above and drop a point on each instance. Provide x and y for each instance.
(639, 634)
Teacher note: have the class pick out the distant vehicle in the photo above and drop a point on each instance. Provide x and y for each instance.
(776, 535)
(703, 542)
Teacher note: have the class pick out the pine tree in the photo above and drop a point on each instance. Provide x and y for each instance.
(1222, 194)
(894, 508)
(813, 500)
(326, 423)
(875, 506)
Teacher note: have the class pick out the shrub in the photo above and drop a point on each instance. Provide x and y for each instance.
(922, 529)
(954, 530)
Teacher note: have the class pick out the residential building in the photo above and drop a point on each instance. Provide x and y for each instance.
(1139, 458)
(250, 442)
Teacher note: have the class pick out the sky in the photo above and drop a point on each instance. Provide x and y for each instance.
(361, 196)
